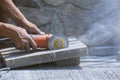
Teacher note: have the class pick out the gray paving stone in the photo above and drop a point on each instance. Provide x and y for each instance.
(15, 58)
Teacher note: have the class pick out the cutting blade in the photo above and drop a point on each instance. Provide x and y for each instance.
(58, 41)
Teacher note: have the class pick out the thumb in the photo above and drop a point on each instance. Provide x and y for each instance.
(40, 32)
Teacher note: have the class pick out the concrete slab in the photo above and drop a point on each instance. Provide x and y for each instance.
(15, 58)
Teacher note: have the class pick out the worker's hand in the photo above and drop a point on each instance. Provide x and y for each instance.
(30, 27)
(23, 41)
(19, 36)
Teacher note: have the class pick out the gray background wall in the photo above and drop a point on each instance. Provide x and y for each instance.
(94, 22)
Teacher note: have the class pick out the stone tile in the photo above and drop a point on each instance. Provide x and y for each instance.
(16, 58)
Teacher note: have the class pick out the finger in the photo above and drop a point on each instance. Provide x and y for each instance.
(27, 46)
(39, 32)
(42, 32)
(19, 46)
(33, 44)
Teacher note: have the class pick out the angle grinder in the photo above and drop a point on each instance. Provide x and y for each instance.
(51, 41)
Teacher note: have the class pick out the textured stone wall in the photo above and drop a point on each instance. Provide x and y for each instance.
(95, 22)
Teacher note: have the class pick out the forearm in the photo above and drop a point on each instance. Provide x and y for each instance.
(12, 11)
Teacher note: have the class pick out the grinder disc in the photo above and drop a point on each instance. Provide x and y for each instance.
(58, 41)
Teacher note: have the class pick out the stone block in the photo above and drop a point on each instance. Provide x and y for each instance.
(15, 58)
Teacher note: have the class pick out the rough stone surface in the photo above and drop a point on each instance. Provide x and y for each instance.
(38, 16)
(74, 20)
(85, 4)
(54, 2)
(57, 24)
(26, 3)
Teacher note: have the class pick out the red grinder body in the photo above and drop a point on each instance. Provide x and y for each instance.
(50, 41)
(41, 40)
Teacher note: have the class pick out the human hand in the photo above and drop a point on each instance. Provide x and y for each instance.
(23, 41)
(20, 38)
(30, 27)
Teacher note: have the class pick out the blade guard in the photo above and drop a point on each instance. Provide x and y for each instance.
(58, 41)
